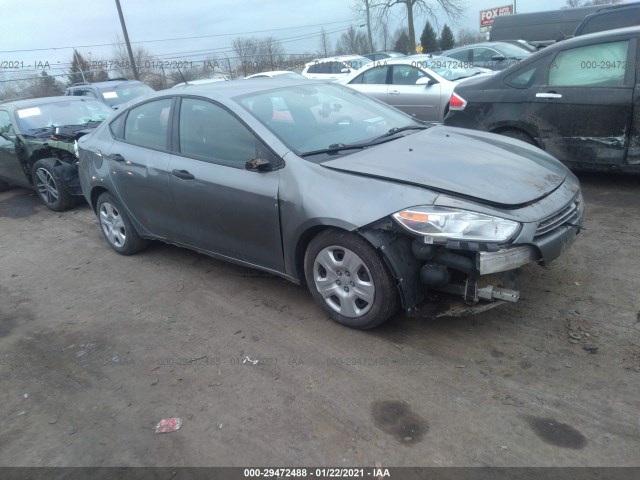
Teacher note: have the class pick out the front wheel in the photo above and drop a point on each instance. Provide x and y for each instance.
(50, 190)
(349, 280)
(116, 226)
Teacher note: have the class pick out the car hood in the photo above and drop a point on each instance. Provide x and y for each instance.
(484, 167)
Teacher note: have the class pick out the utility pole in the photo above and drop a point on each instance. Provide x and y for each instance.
(126, 41)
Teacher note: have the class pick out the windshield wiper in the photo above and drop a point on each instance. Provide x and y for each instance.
(337, 147)
(395, 130)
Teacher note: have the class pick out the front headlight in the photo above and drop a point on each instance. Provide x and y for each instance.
(448, 223)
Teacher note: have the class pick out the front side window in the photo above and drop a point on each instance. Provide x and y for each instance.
(6, 127)
(146, 125)
(406, 75)
(602, 65)
(209, 132)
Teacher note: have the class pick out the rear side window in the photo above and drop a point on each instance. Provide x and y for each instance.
(147, 124)
(602, 65)
(373, 76)
(320, 67)
(462, 55)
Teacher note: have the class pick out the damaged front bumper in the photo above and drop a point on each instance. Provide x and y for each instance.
(475, 273)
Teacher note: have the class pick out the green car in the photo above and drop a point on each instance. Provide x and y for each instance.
(38, 145)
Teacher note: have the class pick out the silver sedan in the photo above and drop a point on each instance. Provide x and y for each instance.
(419, 85)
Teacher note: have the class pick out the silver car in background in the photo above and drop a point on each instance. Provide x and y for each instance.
(419, 85)
(322, 185)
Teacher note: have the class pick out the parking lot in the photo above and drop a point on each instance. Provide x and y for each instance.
(96, 348)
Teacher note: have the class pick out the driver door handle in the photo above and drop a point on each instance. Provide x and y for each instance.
(548, 95)
(182, 174)
(394, 92)
(117, 157)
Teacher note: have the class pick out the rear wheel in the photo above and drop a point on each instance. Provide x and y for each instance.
(518, 135)
(116, 226)
(50, 190)
(348, 279)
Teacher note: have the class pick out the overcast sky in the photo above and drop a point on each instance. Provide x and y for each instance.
(45, 31)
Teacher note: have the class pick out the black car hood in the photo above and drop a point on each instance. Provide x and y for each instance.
(488, 168)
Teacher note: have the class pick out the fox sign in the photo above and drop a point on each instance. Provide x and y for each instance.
(488, 16)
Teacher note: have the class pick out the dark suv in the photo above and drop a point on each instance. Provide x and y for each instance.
(112, 92)
(38, 145)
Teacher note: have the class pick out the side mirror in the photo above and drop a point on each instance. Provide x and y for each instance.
(345, 70)
(426, 81)
(258, 165)
(498, 58)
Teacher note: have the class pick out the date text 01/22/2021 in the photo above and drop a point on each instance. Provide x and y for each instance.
(325, 472)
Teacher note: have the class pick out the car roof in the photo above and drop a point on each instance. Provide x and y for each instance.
(233, 88)
(106, 83)
(476, 45)
(32, 102)
(337, 58)
(588, 39)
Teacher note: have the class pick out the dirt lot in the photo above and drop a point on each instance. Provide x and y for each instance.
(96, 348)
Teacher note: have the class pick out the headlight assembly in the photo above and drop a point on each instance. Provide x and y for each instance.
(447, 223)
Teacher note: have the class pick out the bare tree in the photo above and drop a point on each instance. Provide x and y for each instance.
(325, 44)
(120, 63)
(352, 41)
(366, 9)
(386, 40)
(467, 36)
(452, 8)
(257, 55)
(588, 3)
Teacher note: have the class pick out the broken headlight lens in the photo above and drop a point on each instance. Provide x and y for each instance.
(448, 223)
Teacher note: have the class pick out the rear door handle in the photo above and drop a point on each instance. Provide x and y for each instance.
(394, 92)
(183, 174)
(548, 95)
(117, 157)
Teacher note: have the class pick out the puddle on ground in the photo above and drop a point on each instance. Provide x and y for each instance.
(555, 433)
(396, 418)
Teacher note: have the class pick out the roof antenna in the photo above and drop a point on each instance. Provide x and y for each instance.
(183, 79)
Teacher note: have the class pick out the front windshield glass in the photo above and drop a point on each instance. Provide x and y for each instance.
(123, 93)
(313, 117)
(448, 68)
(62, 113)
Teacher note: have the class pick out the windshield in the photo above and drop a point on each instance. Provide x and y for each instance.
(313, 117)
(448, 68)
(115, 95)
(64, 112)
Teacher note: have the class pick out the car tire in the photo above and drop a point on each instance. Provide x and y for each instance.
(518, 135)
(50, 190)
(4, 186)
(349, 280)
(117, 227)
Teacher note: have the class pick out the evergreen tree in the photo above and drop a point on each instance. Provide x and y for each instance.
(428, 39)
(80, 70)
(402, 43)
(447, 40)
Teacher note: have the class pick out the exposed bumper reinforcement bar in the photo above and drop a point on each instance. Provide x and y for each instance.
(506, 259)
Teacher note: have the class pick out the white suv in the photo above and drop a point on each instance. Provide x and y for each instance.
(333, 68)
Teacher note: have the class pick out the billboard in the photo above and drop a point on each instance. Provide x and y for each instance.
(488, 16)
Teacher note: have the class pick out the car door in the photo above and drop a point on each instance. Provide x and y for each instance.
(584, 110)
(423, 101)
(10, 166)
(373, 82)
(222, 207)
(139, 163)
